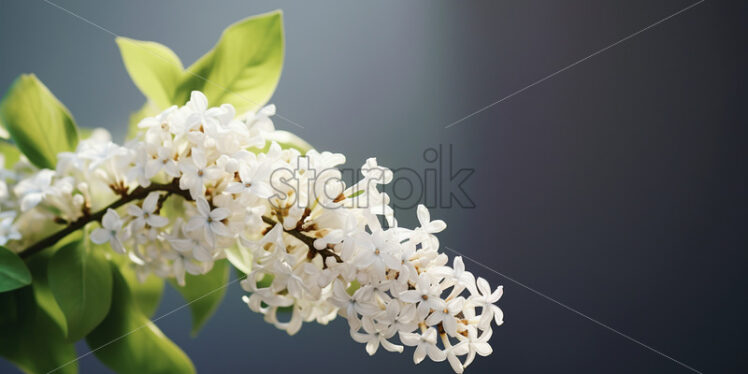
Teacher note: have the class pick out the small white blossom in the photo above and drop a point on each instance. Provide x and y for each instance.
(147, 213)
(33, 190)
(487, 300)
(425, 344)
(8, 231)
(196, 173)
(209, 220)
(110, 231)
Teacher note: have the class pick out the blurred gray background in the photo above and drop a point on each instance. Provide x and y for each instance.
(617, 187)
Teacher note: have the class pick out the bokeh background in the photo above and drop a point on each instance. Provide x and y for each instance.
(617, 187)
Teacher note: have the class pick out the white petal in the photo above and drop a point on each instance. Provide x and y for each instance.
(134, 210)
(198, 101)
(100, 236)
(423, 215)
(391, 347)
(158, 221)
(195, 223)
(31, 200)
(372, 346)
(419, 354)
(409, 338)
(152, 167)
(111, 220)
(496, 295)
(178, 268)
(150, 202)
(198, 157)
(212, 173)
(219, 228)
(202, 206)
(483, 349)
(483, 286)
(201, 253)
(411, 296)
(498, 315)
(436, 354)
(219, 214)
(435, 226)
(455, 363)
(117, 245)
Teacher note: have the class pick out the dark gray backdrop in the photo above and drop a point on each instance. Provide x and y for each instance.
(616, 187)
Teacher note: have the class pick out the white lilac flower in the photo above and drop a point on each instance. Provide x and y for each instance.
(147, 213)
(426, 294)
(162, 160)
(31, 191)
(190, 243)
(252, 180)
(309, 244)
(425, 344)
(487, 300)
(210, 220)
(8, 231)
(196, 173)
(375, 334)
(477, 344)
(453, 351)
(110, 231)
(445, 314)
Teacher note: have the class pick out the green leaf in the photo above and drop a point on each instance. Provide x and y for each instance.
(204, 292)
(147, 294)
(287, 140)
(37, 122)
(13, 272)
(153, 67)
(38, 265)
(353, 287)
(127, 342)
(81, 282)
(240, 258)
(243, 68)
(3, 132)
(10, 153)
(30, 338)
(173, 207)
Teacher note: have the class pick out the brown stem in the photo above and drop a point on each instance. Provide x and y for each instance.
(308, 240)
(138, 193)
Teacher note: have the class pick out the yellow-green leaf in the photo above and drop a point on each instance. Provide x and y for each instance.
(243, 68)
(154, 68)
(38, 123)
(240, 258)
(10, 153)
(285, 140)
(128, 343)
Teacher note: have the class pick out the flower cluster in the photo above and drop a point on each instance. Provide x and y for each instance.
(199, 184)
